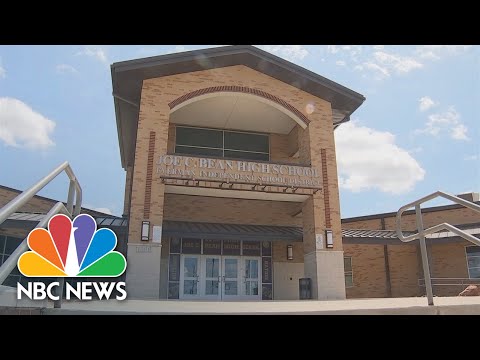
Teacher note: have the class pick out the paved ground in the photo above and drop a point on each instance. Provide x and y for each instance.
(417, 306)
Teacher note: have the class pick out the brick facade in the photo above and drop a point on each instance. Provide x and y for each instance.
(404, 261)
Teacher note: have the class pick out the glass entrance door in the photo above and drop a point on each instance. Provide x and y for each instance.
(251, 279)
(189, 277)
(211, 279)
(230, 278)
(215, 277)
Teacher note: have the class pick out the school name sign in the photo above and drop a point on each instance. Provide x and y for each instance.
(232, 171)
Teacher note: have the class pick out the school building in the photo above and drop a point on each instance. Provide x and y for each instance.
(231, 189)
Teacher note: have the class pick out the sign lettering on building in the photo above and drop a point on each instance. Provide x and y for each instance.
(237, 171)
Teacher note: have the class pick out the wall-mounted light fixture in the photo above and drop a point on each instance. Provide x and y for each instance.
(145, 230)
(329, 237)
(289, 252)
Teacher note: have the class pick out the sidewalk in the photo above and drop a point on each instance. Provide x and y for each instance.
(399, 306)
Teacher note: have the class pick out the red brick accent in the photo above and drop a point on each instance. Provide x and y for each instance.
(148, 183)
(241, 89)
(326, 197)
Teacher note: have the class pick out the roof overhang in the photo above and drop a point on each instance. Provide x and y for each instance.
(128, 76)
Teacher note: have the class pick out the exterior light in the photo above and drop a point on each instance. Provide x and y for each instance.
(289, 252)
(145, 230)
(329, 237)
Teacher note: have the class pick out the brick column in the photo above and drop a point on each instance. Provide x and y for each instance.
(322, 211)
(146, 203)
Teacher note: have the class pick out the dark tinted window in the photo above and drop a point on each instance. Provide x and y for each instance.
(246, 142)
(473, 250)
(246, 155)
(198, 151)
(11, 244)
(199, 137)
(222, 143)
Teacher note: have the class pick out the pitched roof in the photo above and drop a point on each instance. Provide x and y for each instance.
(128, 76)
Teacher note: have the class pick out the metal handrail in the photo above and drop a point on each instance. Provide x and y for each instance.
(422, 232)
(74, 191)
(450, 281)
(25, 196)
(439, 227)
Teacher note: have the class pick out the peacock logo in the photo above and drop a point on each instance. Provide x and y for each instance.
(72, 249)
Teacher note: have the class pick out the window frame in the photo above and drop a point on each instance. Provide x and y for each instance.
(466, 259)
(223, 148)
(350, 273)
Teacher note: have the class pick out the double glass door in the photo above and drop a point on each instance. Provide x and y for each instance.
(220, 277)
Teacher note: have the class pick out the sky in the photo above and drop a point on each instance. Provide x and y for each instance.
(414, 134)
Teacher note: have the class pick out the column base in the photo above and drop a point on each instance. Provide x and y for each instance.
(143, 271)
(326, 270)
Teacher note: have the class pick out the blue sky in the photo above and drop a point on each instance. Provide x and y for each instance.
(416, 132)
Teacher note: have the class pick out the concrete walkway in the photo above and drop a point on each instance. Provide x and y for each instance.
(396, 306)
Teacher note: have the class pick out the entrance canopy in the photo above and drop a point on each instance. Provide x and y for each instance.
(231, 231)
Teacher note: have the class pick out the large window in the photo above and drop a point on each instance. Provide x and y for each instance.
(222, 143)
(473, 261)
(347, 265)
(7, 245)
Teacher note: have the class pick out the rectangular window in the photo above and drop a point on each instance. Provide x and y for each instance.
(222, 143)
(473, 261)
(347, 265)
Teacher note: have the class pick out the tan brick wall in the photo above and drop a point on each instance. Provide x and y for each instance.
(36, 204)
(229, 211)
(448, 261)
(404, 270)
(368, 265)
(364, 224)
(280, 251)
(154, 116)
(280, 149)
(453, 216)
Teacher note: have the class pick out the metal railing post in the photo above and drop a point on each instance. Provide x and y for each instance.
(71, 193)
(423, 251)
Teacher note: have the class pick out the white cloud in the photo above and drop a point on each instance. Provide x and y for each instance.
(21, 126)
(426, 103)
(340, 63)
(103, 210)
(445, 122)
(379, 72)
(97, 52)
(289, 52)
(472, 157)
(435, 52)
(378, 47)
(459, 132)
(370, 159)
(401, 64)
(3, 72)
(332, 49)
(65, 69)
